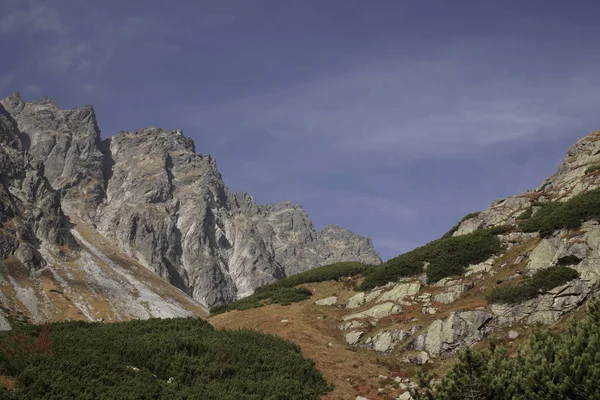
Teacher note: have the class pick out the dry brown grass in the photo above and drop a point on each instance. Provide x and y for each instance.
(8, 382)
(353, 371)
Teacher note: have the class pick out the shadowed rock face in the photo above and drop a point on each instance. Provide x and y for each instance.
(160, 202)
(30, 212)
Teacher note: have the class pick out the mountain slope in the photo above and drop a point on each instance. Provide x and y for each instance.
(49, 271)
(156, 201)
(530, 259)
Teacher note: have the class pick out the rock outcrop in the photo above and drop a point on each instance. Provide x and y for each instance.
(577, 174)
(155, 199)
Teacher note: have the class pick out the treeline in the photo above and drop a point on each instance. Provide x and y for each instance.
(154, 359)
(557, 365)
(284, 291)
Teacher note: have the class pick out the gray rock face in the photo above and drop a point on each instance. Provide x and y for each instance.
(30, 211)
(68, 145)
(459, 330)
(545, 309)
(153, 197)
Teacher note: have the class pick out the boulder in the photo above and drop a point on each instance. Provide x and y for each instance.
(452, 294)
(376, 312)
(458, 330)
(400, 292)
(354, 324)
(328, 301)
(353, 337)
(362, 298)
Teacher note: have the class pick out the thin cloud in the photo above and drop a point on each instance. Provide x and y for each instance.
(66, 55)
(412, 108)
(36, 18)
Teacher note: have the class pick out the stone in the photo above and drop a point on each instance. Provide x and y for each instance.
(400, 292)
(386, 340)
(354, 324)
(452, 294)
(543, 255)
(361, 398)
(512, 334)
(405, 396)
(377, 311)
(328, 301)
(457, 331)
(483, 267)
(356, 301)
(353, 337)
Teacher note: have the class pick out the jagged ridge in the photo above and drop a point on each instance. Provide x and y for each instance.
(157, 200)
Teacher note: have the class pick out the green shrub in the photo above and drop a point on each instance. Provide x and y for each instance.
(556, 365)
(512, 294)
(329, 272)
(566, 215)
(137, 359)
(446, 257)
(543, 280)
(286, 296)
(525, 214)
(284, 291)
(268, 295)
(592, 168)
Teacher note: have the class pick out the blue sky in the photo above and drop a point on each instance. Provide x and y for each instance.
(390, 118)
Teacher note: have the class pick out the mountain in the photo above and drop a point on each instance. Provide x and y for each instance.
(136, 225)
(528, 260)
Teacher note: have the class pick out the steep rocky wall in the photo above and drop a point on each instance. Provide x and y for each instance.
(167, 206)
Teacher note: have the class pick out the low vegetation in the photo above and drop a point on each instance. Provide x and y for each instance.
(543, 280)
(447, 256)
(284, 291)
(154, 359)
(563, 215)
(592, 168)
(557, 365)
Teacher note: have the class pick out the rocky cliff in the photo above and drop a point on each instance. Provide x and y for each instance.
(48, 268)
(158, 202)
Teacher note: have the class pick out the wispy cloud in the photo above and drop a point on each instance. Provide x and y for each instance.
(412, 107)
(65, 55)
(35, 18)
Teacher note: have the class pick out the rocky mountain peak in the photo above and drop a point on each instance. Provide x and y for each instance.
(159, 202)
